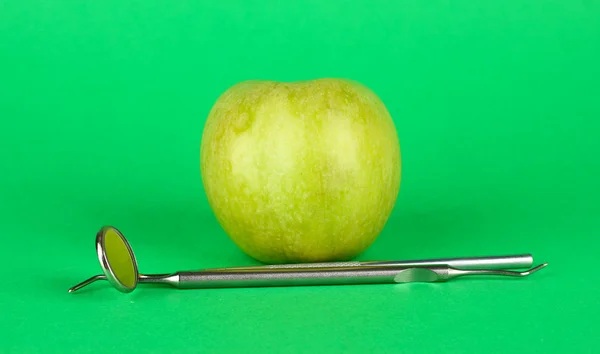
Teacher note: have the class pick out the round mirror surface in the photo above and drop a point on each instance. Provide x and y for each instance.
(117, 259)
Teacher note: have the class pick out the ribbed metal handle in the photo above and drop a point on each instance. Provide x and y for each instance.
(288, 277)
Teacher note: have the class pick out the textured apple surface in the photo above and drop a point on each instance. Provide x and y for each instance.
(303, 171)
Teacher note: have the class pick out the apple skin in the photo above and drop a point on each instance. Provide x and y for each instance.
(305, 171)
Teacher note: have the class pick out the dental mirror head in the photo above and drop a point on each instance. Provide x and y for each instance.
(117, 259)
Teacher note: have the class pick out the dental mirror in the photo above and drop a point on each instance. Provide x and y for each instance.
(116, 260)
(120, 268)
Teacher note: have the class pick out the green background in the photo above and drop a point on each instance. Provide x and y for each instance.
(102, 106)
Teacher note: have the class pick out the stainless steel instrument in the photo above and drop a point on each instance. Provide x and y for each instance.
(120, 268)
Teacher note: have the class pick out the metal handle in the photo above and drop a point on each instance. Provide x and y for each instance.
(330, 276)
(287, 277)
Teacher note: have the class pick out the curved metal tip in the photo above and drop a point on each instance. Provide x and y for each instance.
(533, 270)
(508, 273)
(87, 282)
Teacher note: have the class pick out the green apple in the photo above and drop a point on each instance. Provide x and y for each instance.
(304, 171)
